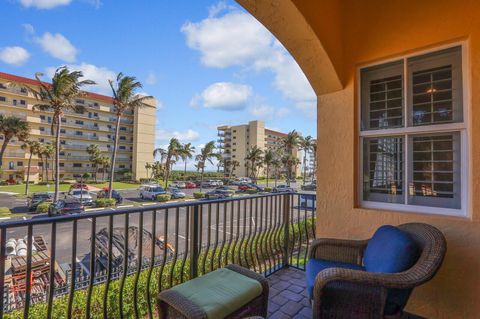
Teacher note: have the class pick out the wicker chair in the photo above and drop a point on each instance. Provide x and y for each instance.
(347, 293)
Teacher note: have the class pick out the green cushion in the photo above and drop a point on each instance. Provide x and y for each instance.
(221, 292)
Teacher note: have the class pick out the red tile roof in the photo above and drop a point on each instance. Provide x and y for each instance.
(21, 79)
(275, 132)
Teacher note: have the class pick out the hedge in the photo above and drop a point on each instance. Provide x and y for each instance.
(251, 191)
(198, 195)
(42, 208)
(268, 189)
(163, 197)
(105, 202)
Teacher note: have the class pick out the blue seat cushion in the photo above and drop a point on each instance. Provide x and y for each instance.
(390, 250)
(314, 266)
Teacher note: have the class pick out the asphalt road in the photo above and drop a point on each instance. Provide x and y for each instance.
(239, 220)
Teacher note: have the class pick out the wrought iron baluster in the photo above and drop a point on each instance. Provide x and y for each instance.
(152, 263)
(139, 264)
(92, 265)
(125, 267)
(73, 270)
(51, 277)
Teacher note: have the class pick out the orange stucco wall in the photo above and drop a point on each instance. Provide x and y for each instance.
(369, 31)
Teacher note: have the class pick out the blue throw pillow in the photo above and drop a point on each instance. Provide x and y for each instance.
(390, 250)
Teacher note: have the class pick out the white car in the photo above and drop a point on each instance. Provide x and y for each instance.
(81, 195)
(151, 191)
(178, 185)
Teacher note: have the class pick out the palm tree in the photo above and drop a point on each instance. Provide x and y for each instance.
(290, 142)
(33, 148)
(59, 97)
(125, 98)
(11, 127)
(276, 165)
(233, 165)
(148, 166)
(268, 158)
(48, 150)
(105, 162)
(306, 144)
(94, 151)
(254, 159)
(186, 152)
(160, 151)
(173, 152)
(207, 154)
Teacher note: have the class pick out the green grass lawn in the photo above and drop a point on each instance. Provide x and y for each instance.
(20, 189)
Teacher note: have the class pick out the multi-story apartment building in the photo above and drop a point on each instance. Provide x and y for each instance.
(235, 141)
(96, 125)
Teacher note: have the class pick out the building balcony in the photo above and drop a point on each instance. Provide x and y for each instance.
(175, 248)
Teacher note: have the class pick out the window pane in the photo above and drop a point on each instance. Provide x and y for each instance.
(383, 169)
(435, 88)
(435, 171)
(382, 96)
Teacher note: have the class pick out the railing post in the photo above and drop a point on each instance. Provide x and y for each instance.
(286, 223)
(195, 249)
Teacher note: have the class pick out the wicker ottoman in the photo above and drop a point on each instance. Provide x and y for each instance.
(230, 292)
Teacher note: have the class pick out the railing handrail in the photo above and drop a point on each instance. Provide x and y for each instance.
(132, 210)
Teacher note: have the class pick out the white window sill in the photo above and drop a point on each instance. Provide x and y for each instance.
(415, 209)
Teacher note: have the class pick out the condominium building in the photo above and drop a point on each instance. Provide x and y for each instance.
(95, 125)
(235, 141)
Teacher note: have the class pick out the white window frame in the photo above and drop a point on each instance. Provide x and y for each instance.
(462, 127)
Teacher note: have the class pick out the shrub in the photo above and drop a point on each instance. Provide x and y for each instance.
(267, 189)
(198, 195)
(163, 198)
(251, 191)
(105, 202)
(42, 208)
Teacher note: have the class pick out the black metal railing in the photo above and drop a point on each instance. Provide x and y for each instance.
(112, 264)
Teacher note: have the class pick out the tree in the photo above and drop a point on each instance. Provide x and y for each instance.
(254, 160)
(276, 165)
(233, 165)
(306, 144)
(290, 142)
(33, 148)
(48, 150)
(94, 154)
(148, 166)
(207, 154)
(105, 162)
(314, 166)
(160, 151)
(125, 98)
(11, 127)
(186, 152)
(58, 97)
(173, 152)
(268, 158)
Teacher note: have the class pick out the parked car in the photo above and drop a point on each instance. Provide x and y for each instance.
(81, 195)
(218, 194)
(283, 188)
(225, 188)
(190, 185)
(176, 193)
(206, 184)
(309, 187)
(116, 195)
(65, 207)
(151, 191)
(246, 187)
(307, 201)
(38, 198)
(178, 184)
(292, 180)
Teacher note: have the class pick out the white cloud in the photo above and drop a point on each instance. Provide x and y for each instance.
(44, 4)
(185, 136)
(57, 46)
(16, 56)
(235, 38)
(267, 112)
(100, 75)
(224, 95)
(28, 28)
(151, 78)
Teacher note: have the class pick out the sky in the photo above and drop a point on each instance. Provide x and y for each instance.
(207, 63)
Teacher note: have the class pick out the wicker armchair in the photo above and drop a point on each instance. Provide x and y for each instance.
(347, 293)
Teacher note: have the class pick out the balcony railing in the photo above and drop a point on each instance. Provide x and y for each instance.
(85, 263)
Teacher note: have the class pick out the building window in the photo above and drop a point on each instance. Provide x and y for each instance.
(77, 164)
(122, 147)
(23, 102)
(19, 163)
(121, 166)
(78, 122)
(78, 133)
(3, 99)
(123, 138)
(64, 120)
(62, 130)
(2, 86)
(42, 117)
(11, 165)
(41, 140)
(14, 102)
(414, 134)
(61, 164)
(80, 102)
(122, 128)
(42, 129)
